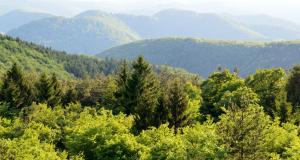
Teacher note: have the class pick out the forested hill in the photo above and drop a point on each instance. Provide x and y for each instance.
(204, 56)
(39, 59)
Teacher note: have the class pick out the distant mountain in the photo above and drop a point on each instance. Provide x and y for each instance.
(17, 18)
(82, 34)
(272, 27)
(189, 24)
(204, 56)
(37, 59)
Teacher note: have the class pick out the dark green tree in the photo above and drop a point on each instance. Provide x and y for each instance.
(121, 81)
(16, 90)
(178, 104)
(49, 90)
(293, 87)
(162, 112)
(142, 93)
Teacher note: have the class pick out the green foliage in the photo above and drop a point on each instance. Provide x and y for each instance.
(267, 83)
(243, 131)
(49, 90)
(16, 90)
(93, 133)
(39, 59)
(163, 143)
(213, 88)
(292, 87)
(203, 56)
(142, 94)
(122, 78)
(203, 142)
(183, 104)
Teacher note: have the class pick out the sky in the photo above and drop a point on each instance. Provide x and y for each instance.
(287, 9)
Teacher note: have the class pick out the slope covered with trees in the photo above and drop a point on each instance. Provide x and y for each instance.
(138, 113)
(39, 59)
(204, 56)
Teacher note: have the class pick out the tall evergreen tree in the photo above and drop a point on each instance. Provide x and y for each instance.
(142, 94)
(49, 90)
(57, 91)
(122, 80)
(293, 87)
(16, 90)
(178, 104)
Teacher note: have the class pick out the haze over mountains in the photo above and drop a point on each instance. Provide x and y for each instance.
(225, 39)
(93, 31)
(18, 18)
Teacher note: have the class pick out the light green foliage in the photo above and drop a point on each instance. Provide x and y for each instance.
(93, 133)
(268, 84)
(195, 99)
(27, 141)
(241, 97)
(202, 142)
(243, 131)
(283, 141)
(214, 88)
(163, 143)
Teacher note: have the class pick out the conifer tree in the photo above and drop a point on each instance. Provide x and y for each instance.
(16, 90)
(293, 87)
(142, 94)
(162, 113)
(49, 90)
(122, 80)
(178, 104)
(44, 89)
(57, 92)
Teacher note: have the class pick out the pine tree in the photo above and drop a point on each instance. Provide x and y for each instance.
(178, 104)
(122, 80)
(162, 113)
(44, 89)
(57, 92)
(15, 90)
(142, 94)
(49, 90)
(293, 88)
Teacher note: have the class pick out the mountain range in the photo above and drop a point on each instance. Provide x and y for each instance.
(93, 31)
(17, 18)
(204, 56)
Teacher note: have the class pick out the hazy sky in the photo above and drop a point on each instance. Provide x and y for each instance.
(288, 9)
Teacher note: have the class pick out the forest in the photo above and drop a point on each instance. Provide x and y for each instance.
(139, 112)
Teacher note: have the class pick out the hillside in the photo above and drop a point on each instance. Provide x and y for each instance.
(17, 18)
(204, 56)
(80, 34)
(34, 58)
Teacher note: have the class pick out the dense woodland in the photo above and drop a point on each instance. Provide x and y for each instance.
(202, 56)
(138, 112)
(38, 59)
